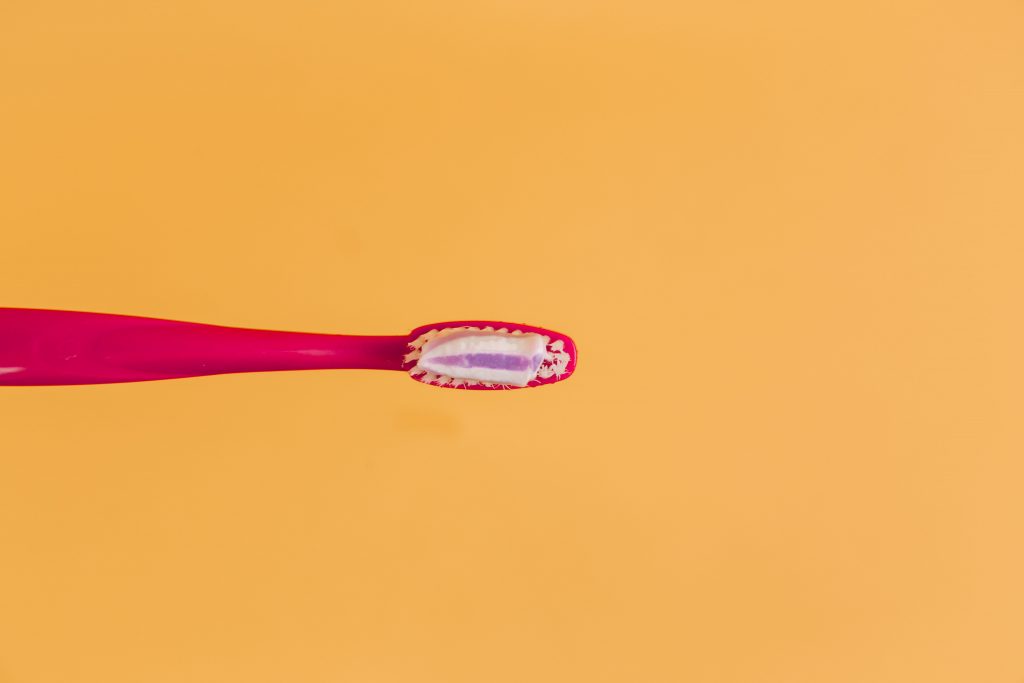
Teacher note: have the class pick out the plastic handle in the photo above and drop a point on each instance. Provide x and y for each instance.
(40, 347)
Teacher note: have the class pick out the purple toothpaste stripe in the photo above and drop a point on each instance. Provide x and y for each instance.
(492, 361)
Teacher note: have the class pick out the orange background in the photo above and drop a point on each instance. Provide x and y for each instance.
(786, 236)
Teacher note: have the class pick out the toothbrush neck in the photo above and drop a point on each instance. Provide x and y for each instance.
(206, 350)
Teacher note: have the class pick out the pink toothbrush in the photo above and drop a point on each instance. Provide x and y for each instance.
(43, 347)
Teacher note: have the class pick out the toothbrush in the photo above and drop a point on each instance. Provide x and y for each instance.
(47, 347)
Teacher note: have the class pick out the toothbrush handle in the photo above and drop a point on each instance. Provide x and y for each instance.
(40, 347)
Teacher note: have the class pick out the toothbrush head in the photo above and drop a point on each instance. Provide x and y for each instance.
(483, 354)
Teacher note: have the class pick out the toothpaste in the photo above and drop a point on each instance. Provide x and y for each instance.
(469, 355)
